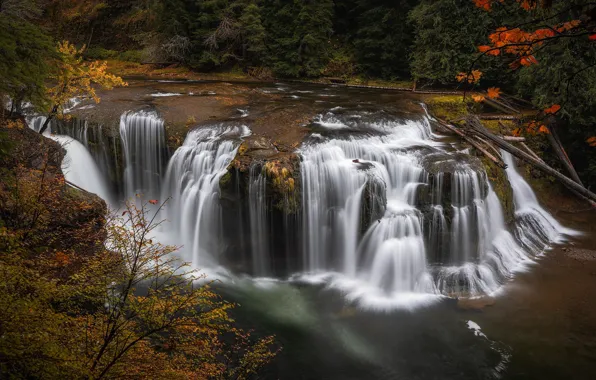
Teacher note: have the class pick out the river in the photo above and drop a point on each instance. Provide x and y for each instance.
(372, 246)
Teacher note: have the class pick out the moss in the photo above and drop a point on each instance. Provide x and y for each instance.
(504, 127)
(243, 149)
(501, 186)
(226, 180)
(282, 182)
(447, 107)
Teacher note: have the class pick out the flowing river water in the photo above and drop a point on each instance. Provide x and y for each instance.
(397, 228)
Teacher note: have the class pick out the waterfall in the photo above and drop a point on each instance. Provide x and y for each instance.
(79, 168)
(192, 184)
(441, 232)
(535, 227)
(259, 228)
(78, 165)
(144, 147)
(36, 122)
(390, 257)
(391, 213)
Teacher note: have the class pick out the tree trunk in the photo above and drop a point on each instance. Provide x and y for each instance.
(494, 159)
(553, 138)
(48, 120)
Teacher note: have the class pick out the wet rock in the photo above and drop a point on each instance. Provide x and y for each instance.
(475, 304)
(580, 254)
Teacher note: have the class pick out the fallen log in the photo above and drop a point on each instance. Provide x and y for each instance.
(498, 154)
(498, 117)
(553, 138)
(474, 124)
(531, 152)
(513, 138)
(497, 161)
(501, 106)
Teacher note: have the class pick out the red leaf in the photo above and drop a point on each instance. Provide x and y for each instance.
(592, 37)
(552, 109)
(153, 201)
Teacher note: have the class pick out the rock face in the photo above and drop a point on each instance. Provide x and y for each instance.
(260, 204)
(34, 194)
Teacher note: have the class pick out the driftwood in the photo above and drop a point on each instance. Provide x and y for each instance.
(497, 117)
(501, 106)
(498, 154)
(553, 138)
(527, 148)
(513, 138)
(474, 124)
(473, 143)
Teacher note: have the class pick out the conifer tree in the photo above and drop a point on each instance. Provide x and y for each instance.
(253, 31)
(25, 53)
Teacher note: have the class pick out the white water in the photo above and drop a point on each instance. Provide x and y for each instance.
(452, 241)
(192, 184)
(398, 261)
(390, 258)
(259, 227)
(536, 228)
(144, 147)
(79, 168)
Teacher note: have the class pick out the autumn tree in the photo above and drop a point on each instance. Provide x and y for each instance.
(550, 47)
(158, 320)
(74, 77)
(72, 307)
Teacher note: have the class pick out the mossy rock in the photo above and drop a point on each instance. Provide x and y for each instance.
(448, 107)
(283, 183)
(501, 186)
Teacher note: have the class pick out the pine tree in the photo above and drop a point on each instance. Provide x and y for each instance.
(447, 33)
(383, 38)
(25, 53)
(253, 31)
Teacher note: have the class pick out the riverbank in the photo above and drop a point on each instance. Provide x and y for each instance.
(547, 315)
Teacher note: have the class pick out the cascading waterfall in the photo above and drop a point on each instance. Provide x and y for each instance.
(376, 220)
(144, 147)
(391, 255)
(79, 168)
(535, 227)
(458, 244)
(192, 184)
(259, 228)
(78, 165)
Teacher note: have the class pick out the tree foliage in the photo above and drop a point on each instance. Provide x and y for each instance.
(75, 78)
(128, 308)
(25, 52)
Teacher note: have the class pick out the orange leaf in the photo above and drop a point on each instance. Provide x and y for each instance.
(591, 141)
(484, 48)
(543, 129)
(62, 258)
(484, 4)
(516, 132)
(553, 109)
(478, 98)
(494, 92)
(472, 77)
(153, 201)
